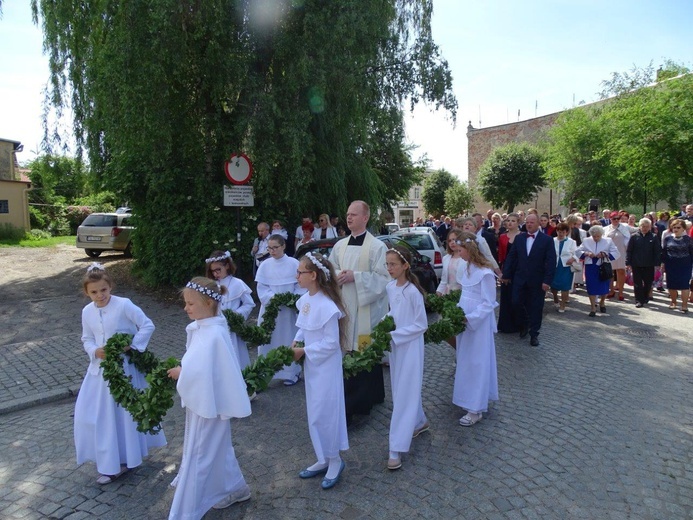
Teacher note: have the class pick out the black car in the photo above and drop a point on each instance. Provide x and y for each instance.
(421, 264)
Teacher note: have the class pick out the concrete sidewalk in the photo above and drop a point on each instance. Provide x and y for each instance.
(594, 423)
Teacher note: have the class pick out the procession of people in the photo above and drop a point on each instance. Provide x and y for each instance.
(343, 296)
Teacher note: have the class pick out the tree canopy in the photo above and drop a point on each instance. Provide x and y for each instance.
(434, 188)
(163, 92)
(512, 174)
(459, 199)
(632, 148)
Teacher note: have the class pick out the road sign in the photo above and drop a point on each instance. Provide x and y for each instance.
(238, 169)
(239, 196)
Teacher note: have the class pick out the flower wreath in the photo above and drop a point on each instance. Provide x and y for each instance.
(149, 406)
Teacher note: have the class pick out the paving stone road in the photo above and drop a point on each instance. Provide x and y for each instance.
(597, 422)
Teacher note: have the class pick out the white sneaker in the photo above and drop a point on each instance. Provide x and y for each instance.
(241, 495)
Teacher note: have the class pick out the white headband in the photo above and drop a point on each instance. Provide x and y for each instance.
(95, 266)
(204, 290)
(317, 263)
(392, 249)
(219, 258)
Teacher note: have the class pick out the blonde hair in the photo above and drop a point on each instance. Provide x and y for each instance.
(469, 242)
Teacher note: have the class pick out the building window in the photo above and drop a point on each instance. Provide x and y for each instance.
(4, 206)
(417, 193)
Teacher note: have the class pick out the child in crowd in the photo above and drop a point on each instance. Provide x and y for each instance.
(105, 432)
(451, 262)
(212, 391)
(321, 326)
(238, 297)
(277, 275)
(406, 354)
(476, 378)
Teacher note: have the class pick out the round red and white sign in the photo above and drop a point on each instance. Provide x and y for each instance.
(238, 169)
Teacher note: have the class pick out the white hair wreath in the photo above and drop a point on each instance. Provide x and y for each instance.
(221, 258)
(204, 290)
(317, 263)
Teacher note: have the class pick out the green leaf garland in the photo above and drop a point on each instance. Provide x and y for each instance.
(149, 406)
(255, 335)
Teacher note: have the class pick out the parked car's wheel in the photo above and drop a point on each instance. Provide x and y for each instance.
(93, 253)
(128, 250)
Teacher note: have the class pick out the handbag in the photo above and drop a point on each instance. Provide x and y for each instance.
(606, 272)
(576, 267)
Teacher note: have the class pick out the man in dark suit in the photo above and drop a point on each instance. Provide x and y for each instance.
(530, 267)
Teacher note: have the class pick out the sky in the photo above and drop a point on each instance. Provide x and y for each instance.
(532, 56)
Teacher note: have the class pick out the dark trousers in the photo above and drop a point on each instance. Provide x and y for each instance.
(642, 283)
(529, 304)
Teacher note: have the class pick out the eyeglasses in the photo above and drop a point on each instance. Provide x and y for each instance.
(274, 248)
(217, 270)
(299, 272)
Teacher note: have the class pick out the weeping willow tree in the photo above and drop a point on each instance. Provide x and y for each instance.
(163, 91)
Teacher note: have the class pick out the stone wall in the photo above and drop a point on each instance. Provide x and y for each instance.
(481, 141)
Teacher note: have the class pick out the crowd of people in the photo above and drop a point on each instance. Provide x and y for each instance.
(342, 298)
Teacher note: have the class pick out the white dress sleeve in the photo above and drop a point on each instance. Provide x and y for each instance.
(487, 305)
(145, 327)
(323, 349)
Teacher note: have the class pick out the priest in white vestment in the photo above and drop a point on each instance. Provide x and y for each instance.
(359, 262)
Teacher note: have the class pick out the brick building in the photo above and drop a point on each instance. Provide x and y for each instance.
(481, 141)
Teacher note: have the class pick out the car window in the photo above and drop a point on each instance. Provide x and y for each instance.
(125, 221)
(100, 221)
(418, 241)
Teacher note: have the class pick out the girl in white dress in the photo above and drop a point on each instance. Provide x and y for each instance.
(451, 262)
(104, 432)
(238, 297)
(212, 391)
(476, 377)
(321, 326)
(277, 275)
(406, 354)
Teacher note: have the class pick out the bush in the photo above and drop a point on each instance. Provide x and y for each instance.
(37, 234)
(10, 232)
(37, 218)
(59, 226)
(75, 215)
(102, 202)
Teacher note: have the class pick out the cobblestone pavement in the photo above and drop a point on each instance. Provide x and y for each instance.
(594, 423)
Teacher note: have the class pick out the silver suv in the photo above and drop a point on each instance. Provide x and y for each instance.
(105, 232)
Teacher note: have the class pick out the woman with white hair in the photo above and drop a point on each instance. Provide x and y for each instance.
(595, 250)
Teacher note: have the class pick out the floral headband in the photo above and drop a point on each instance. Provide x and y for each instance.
(393, 250)
(219, 258)
(466, 241)
(95, 266)
(317, 263)
(204, 290)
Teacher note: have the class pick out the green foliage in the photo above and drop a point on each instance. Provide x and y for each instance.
(261, 334)
(451, 322)
(149, 406)
(258, 375)
(630, 149)
(10, 232)
(36, 235)
(37, 218)
(312, 91)
(101, 202)
(459, 199)
(434, 189)
(512, 174)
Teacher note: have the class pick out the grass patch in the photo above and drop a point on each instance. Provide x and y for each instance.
(40, 242)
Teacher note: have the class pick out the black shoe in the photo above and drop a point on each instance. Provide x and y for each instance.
(523, 332)
(534, 341)
(602, 310)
